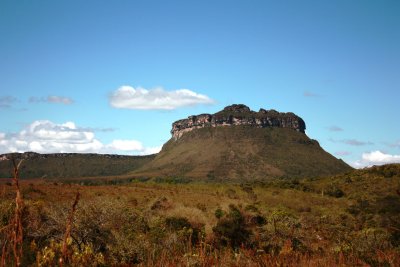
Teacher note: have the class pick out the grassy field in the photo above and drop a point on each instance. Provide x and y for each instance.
(351, 219)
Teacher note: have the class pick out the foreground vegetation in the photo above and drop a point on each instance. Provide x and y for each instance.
(351, 219)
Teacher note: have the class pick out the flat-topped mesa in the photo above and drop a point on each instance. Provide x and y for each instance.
(239, 114)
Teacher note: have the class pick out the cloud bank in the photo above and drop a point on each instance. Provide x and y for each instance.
(376, 158)
(47, 137)
(52, 99)
(127, 97)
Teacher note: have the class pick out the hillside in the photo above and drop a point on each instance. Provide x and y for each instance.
(239, 144)
(71, 165)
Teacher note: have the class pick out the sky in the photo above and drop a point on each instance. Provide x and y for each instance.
(112, 76)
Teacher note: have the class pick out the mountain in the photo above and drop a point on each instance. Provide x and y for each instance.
(235, 144)
(70, 165)
(240, 144)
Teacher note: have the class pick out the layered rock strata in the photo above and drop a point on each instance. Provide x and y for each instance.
(239, 114)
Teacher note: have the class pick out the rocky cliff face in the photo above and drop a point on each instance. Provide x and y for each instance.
(239, 115)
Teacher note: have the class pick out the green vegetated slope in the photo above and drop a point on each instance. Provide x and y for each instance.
(242, 153)
(375, 189)
(72, 165)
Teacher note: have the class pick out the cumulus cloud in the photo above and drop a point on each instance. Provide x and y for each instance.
(52, 99)
(7, 101)
(376, 158)
(150, 150)
(128, 97)
(47, 137)
(126, 145)
(103, 130)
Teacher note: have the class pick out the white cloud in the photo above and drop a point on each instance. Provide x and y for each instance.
(151, 150)
(47, 137)
(130, 98)
(52, 99)
(376, 158)
(126, 145)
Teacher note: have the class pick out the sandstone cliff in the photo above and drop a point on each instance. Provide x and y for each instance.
(239, 114)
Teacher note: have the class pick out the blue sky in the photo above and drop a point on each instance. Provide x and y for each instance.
(111, 76)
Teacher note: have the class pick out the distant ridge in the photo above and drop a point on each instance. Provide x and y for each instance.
(237, 143)
(34, 155)
(71, 165)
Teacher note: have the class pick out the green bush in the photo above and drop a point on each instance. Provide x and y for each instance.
(219, 213)
(231, 229)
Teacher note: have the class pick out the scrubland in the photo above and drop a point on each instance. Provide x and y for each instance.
(345, 220)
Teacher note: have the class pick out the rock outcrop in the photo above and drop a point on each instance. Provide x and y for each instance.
(239, 114)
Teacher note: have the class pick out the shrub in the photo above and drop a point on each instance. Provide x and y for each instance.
(231, 229)
(50, 255)
(258, 220)
(219, 213)
(177, 223)
(334, 191)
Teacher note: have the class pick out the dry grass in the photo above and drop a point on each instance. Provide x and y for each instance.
(67, 234)
(14, 230)
(127, 224)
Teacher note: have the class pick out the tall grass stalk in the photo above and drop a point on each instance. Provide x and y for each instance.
(68, 228)
(17, 233)
(14, 229)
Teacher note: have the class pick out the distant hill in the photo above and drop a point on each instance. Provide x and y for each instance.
(377, 182)
(71, 165)
(239, 144)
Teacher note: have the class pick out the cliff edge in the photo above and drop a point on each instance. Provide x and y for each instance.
(239, 114)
